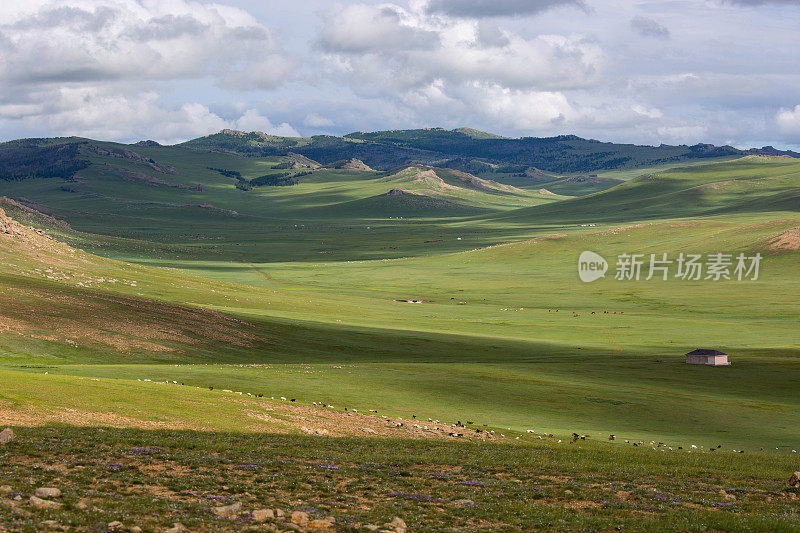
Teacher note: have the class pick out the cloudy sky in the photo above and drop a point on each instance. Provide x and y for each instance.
(672, 71)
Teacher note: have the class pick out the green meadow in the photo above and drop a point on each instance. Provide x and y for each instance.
(417, 292)
(504, 333)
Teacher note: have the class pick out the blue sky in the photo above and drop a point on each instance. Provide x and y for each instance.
(718, 71)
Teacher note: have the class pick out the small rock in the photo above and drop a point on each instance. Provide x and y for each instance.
(463, 503)
(397, 525)
(569, 493)
(794, 481)
(5, 489)
(47, 492)
(50, 524)
(177, 527)
(227, 511)
(82, 505)
(116, 524)
(262, 515)
(135, 529)
(279, 514)
(43, 504)
(6, 436)
(300, 518)
(320, 524)
(23, 513)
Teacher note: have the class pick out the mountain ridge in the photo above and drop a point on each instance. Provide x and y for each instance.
(467, 149)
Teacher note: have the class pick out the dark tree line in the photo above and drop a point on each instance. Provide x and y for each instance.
(26, 159)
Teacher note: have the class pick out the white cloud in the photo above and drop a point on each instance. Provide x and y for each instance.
(106, 114)
(97, 67)
(788, 120)
(407, 49)
(314, 120)
(67, 41)
(647, 27)
(497, 8)
(687, 134)
(367, 28)
(252, 120)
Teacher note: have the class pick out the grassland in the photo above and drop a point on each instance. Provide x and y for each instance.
(301, 293)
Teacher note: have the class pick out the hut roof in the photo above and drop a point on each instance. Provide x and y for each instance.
(706, 351)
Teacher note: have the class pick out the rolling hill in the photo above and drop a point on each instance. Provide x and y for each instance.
(469, 150)
(180, 292)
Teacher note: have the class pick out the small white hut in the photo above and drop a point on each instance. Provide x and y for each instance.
(702, 356)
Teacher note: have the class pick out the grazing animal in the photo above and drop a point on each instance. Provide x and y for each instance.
(612, 437)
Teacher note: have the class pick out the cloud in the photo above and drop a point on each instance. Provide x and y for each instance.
(361, 28)
(97, 68)
(788, 121)
(455, 52)
(252, 120)
(72, 41)
(762, 2)
(314, 120)
(104, 113)
(489, 35)
(647, 27)
(497, 8)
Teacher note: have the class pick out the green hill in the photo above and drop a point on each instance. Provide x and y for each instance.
(182, 292)
(468, 150)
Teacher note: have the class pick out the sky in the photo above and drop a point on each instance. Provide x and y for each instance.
(647, 72)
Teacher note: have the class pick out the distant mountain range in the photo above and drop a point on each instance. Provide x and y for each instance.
(468, 150)
(532, 158)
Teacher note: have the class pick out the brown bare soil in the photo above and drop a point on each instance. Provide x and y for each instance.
(788, 240)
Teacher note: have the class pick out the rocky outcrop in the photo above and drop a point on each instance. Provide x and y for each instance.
(351, 164)
(6, 436)
(7, 225)
(124, 153)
